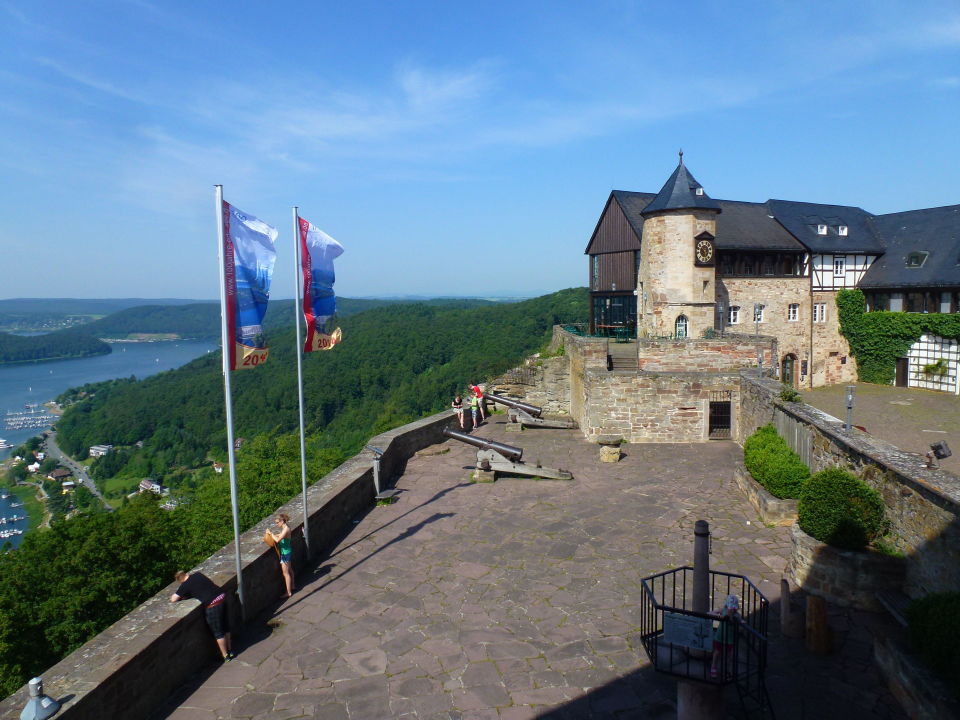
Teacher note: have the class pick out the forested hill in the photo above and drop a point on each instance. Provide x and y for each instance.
(187, 321)
(395, 364)
(58, 345)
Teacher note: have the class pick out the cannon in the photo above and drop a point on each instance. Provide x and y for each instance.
(526, 414)
(497, 457)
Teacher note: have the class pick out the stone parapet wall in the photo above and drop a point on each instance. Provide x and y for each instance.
(132, 667)
(923, 505)
(701, 355)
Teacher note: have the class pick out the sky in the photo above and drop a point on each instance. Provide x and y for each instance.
(452, 148)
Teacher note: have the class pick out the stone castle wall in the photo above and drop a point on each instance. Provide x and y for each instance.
(923, 505)
(701, 355)
(651, 407)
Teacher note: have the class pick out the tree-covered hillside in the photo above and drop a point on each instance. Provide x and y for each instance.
(395, 364)
(58, 345)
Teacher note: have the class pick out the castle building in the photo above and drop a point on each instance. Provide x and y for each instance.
(679, 264)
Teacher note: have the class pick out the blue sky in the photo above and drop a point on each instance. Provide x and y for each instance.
(452, 148)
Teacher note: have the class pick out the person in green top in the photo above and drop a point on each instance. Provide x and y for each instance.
(282, 536)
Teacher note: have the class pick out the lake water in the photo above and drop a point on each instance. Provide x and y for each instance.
(40, 382)
(10, 508)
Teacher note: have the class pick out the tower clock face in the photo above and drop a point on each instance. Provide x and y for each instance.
(704, 251)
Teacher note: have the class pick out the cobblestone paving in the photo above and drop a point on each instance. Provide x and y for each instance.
(520, 599)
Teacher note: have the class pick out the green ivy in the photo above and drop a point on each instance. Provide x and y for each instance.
(877, 339)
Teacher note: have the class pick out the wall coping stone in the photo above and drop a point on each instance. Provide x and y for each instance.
(125, 671)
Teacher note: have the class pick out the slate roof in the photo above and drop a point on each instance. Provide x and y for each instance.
(801, 220)
(633, 204)
(935, 231)
(749, 226)
(679, 193)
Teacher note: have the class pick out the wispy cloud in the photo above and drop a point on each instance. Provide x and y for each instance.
(92, 82)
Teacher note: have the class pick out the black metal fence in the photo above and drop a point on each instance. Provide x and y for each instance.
(707, 646)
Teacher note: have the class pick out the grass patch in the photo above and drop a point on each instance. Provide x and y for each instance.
(27, 494)
(118, 487)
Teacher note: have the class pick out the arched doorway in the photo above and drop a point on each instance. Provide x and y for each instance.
(788, 370)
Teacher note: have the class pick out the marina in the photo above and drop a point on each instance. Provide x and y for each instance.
(33, 417)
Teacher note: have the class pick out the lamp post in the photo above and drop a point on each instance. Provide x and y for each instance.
(849, 423)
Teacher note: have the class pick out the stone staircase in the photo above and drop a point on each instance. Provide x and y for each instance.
(623, 356)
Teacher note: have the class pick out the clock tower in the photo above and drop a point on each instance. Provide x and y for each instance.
(676, 290)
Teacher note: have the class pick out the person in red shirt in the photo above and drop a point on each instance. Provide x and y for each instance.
(478, 393)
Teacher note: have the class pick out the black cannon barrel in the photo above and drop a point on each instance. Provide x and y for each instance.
(508, 451)
(516, 404)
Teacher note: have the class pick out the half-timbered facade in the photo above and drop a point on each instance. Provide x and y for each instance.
(680, 264)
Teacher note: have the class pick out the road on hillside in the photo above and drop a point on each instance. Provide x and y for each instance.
(53, 450)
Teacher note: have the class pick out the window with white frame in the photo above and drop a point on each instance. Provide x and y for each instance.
(842, 230)
(758, 313)
(680, 327)
(733, 318)
(793, 312)
(819, 312)
(821, 229)
(839, 265)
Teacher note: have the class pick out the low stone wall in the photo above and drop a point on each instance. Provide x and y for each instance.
(130, 669)
(922, 505)
(921, 695)
(844, 577)
(702, 355)
(772, 510)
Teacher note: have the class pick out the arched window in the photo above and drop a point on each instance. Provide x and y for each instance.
(681, 327)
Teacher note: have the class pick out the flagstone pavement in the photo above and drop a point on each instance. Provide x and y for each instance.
(521, 598)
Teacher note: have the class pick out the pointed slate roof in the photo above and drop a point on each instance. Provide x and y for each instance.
(680, 193)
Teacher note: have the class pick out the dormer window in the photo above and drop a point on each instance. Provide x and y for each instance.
(916, 259)
(842, 230)
(821, 229)
(699, 191)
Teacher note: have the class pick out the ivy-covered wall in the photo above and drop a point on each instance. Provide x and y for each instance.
(877, 339)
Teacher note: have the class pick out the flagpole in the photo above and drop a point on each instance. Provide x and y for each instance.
(297, 298)
(225, 351)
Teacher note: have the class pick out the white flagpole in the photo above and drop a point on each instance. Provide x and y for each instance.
(225, 340)
(298, 314)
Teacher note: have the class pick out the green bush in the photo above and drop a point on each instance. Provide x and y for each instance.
(839, 509)
(773, 464)
(934, 623)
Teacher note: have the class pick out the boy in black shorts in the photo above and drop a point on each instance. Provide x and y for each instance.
(214, 600)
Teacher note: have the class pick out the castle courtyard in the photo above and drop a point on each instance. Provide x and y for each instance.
(521, 598)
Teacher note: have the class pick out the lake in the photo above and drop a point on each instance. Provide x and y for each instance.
(37, 383)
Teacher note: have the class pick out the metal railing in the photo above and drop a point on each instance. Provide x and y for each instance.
(703, 646)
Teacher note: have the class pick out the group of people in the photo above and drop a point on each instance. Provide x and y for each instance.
(478, 409)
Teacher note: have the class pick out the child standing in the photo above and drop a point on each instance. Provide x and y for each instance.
(725, 636)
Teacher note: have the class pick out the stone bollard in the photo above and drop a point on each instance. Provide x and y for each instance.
(819, 636)
(609, 448)
(791, 624)
(610, 453)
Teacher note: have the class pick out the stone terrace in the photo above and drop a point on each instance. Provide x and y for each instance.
(520, 599)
